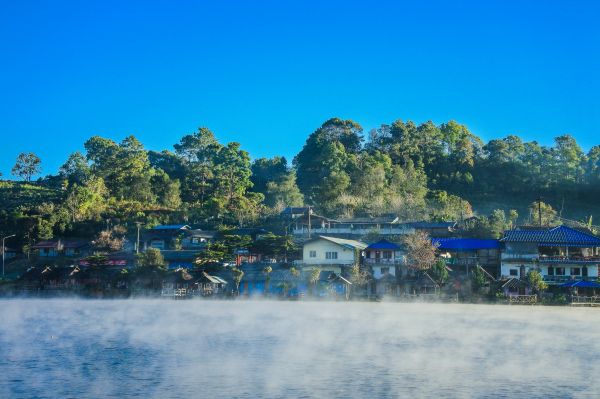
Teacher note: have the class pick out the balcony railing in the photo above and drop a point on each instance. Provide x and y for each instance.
(568, 259)
(551, 258)
(353, 231)
(566, 279)
(383, 261)
(585, 300)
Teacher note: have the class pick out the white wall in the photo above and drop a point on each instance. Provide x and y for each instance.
(345, 255)
(507, 266)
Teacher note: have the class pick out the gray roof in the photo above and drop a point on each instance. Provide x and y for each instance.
(352, 244)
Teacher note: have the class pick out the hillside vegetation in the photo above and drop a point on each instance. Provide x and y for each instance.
(418, 172)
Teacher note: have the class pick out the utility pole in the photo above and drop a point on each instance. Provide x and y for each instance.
(137, 245)
(4, 251)
(309, 213)
(540, 210)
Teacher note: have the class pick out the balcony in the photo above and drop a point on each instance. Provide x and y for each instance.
(566, 279)
(384, 262)
(569, 259)
(519, 257)
(551, 259)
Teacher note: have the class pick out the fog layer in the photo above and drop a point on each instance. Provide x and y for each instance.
(81, 348)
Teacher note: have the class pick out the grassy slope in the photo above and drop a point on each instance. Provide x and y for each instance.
(14, 194)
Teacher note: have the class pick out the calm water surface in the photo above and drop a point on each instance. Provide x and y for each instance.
(247, 349)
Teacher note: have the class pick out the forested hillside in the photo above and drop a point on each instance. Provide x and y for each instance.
(419, 172)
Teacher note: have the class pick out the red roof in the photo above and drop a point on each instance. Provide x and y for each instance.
(46, 244)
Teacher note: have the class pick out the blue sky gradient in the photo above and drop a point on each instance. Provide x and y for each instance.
(268, 74)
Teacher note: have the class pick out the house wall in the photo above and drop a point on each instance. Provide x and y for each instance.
(515, 266)
(345, 256)
(47, 252)
(377, 272)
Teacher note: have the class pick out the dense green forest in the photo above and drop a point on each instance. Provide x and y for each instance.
(419, 172)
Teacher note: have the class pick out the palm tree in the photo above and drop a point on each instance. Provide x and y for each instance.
(315, 274)
(237, 278)
(267, 271)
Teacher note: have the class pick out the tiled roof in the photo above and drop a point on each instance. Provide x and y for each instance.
(45, 244)
(555, 235)
(294, 210)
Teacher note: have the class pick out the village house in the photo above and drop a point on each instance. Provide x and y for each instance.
(183, 283)
(435, 229)
(255, 282)
(9, 253)
(559, 253)
(176, 237)
(304, 223)
(384, 257)
(60, 247)
(179, 243)
(310, 224)
(331, 253)
(464, 254)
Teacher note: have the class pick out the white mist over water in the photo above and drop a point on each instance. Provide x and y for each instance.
(248, 349)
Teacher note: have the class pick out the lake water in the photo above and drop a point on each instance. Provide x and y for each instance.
(248, 349)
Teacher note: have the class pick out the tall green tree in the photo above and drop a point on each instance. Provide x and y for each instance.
(272, 178)
(27, 165)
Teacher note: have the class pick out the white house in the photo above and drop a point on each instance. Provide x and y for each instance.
(331, 253)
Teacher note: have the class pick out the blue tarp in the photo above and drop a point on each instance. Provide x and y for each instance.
(465, 244)
(580, 284)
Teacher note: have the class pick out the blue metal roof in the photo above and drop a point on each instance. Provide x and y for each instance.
(556, 235)
(384, 244)
(465, 244)
(171, 227)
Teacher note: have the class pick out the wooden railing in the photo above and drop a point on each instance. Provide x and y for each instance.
(522, 299)
(585, 300)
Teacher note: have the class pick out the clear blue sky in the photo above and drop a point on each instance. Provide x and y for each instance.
(268, 74)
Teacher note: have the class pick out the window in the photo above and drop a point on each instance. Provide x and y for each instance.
(514, 272)
(385, 270)
(387, 255)
(575, 271)
(331, 255)
(312, 254)
(550, 271)
(560, 271)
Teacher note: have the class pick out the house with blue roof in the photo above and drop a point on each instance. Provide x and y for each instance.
(385, 260)
(384, 257)
(561, 253)
(463, 254)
